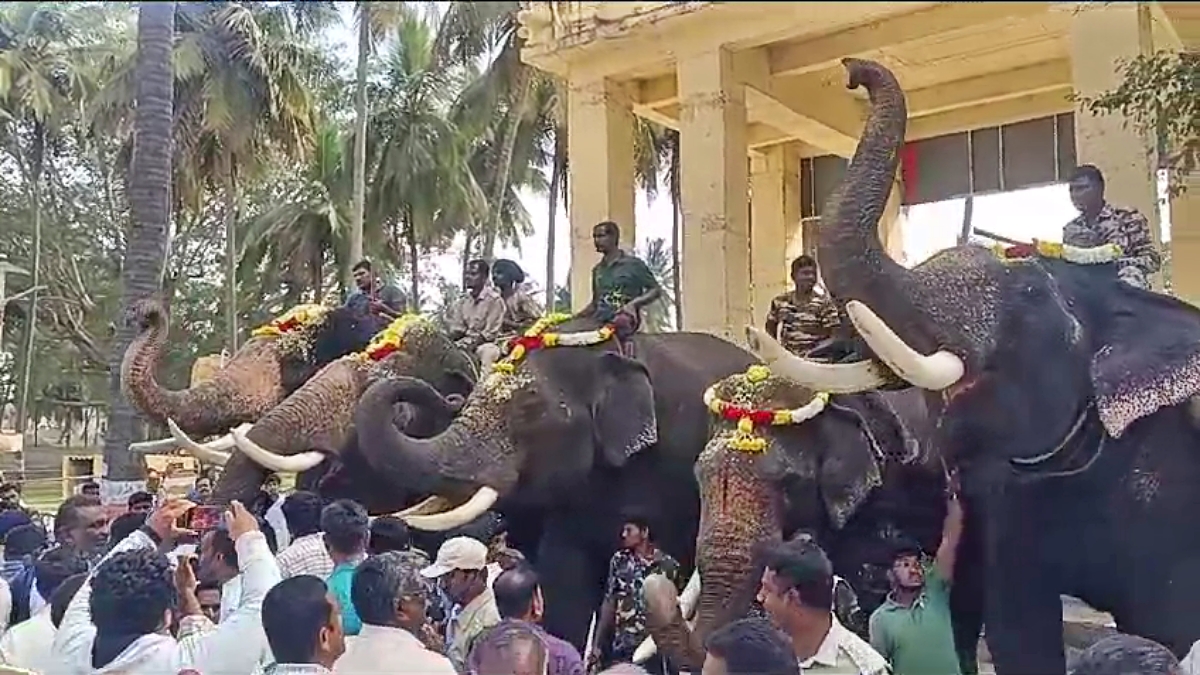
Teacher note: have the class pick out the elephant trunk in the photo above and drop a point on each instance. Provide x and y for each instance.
(248, 386)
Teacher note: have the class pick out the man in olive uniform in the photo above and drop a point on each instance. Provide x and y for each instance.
(1102, 223)
(804, 317)
(621, 286)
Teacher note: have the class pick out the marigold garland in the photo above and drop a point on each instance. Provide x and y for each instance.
(300, 316)
(746, 418)
(536, 337)
(1095, 255)
(391, 339)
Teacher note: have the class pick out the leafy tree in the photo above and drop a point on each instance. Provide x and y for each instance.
(656, 318)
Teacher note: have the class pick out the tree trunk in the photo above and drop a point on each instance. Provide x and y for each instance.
(676, 230)
(556, 179)
(521, 89)
(360, 147)
(35, 203)
(231, 254)
(146, 243)
(410, 232)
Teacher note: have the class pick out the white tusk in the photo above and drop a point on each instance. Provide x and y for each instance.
(428, 505)
(934, 372)
(268, 460)
(832, 378)
(483, 499)
(161, 445)
(687, 605)
(210, 452)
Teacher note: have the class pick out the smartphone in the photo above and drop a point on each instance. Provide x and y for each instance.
(204, 518)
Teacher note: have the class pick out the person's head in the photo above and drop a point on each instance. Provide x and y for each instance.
(271, 485)
(507, 274)
(302, 511)
(606, 236)
(208, 593)
(362, 274)
(388, 533)
(10, 496)
(1125, 655)
(906, 572)
(133, 593)
(125, 525)
(518, 595)
(797, 584)
(24, 541)
(218, 557)
(388, 590)
(62, 596)
(302, 622)
(1087, 189)
(81, 523)
(153, 480)
(749, 647)
(475, 275)
(204, 487)
(635, 531)
(90, 488)
(56, 566)
(346, 527)
(141, 502)
(804, 273)
(460, 568)
(511, 647)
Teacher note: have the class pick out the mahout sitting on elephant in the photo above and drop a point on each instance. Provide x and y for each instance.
(853, 470)
(1061, 395)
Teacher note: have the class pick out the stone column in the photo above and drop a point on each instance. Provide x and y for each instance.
(775, 214)
(1185, 240)
(1102, 35)
(715, 186)
(600, 145)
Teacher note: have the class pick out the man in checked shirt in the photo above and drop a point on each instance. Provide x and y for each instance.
(1102, 223)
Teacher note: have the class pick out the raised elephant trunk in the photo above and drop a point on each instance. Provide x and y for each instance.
(247, 387)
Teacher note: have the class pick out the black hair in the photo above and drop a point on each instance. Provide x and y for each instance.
(509, 267)
(70, 513)
(56, 566)
(514, 590)
(268, 532)
(752, 647)
(485, 528)
(388, 533)
(805, 567)
(903, 546)
(638, 520)
(24, 540)
(9, 485)
(1123, 654)
(609, 226)
(346, 526)
(222, 545)
(140, 497)
(381, 581)
(89, 483)
(363, 264)
(125, 525)
(1089, 173)
(62, 596)
(802, 262)
(302, 511)
(293, 614)
(482, 265)
(496, 652)
(130, 593)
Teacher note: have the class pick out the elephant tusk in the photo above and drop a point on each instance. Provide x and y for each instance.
(427, 506)
(483, 499)
(210, 453)
(161, 445)
(297, 463)
(833, 378)
(687, 605)
(934, 372)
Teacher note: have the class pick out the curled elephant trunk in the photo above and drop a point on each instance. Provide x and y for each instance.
(247, 387)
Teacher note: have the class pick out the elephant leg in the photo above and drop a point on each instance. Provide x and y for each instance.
(1023, 611)
(967, 599)
(572, 585)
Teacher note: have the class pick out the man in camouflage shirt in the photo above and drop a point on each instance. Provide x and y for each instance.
(1102, 223)
(804, 317)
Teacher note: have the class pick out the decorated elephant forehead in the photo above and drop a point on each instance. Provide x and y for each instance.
(771, 390)
(497, 388)
(295, 319)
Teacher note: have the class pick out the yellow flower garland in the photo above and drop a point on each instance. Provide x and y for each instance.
(1095, 255)
(390, 339)
(300, 316)
(536, 337)
(744, 439)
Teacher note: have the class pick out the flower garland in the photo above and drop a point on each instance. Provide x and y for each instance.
(391, 339)
(1095, 255)
(745, 439)
(537, 338)
(300, 316)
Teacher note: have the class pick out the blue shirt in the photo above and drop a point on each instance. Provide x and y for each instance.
(339, 584)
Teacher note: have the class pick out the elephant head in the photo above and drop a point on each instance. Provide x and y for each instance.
(275, 361)
(997, 337)
(806, 460)
(315, 422)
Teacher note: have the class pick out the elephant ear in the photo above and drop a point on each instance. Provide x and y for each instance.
(1149, 358)
(623, 412)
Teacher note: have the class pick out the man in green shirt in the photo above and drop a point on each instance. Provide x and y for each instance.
(912, 628)
(621, 286)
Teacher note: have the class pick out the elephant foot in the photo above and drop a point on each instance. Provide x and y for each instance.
(670, 631)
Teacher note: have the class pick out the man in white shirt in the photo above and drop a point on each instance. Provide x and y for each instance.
(390, 596)
(29, 644)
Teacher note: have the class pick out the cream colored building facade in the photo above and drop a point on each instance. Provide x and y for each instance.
(756, 90)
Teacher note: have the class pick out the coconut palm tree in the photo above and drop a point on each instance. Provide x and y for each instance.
(656, 318)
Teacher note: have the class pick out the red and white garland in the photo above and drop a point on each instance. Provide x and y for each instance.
(537, 338)
(300, 316)
(746, 418)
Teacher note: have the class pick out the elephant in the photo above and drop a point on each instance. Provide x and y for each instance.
(1060, 393)
(272, 364)
(855, 473)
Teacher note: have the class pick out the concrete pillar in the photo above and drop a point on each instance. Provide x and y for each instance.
(1185, 239)
(1102, 35)
(775, 214)
(715, 186)
(600, 144)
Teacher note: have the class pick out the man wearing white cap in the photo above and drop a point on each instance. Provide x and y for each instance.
(461, 571)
